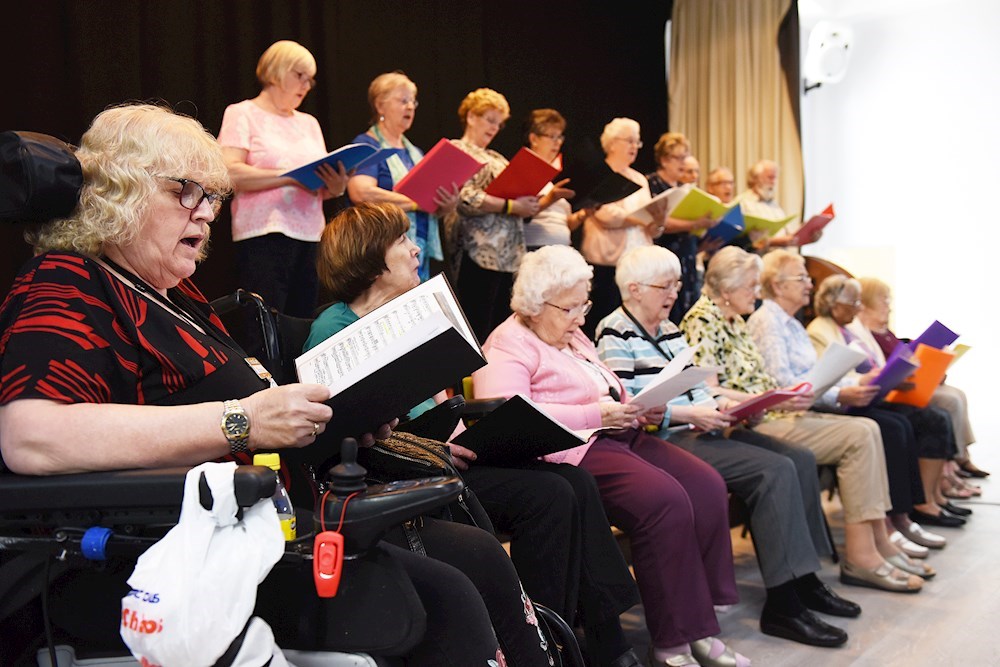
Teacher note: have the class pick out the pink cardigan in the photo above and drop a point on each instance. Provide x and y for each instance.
(522, 363)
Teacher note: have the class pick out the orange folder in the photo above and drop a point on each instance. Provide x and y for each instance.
(933, 365)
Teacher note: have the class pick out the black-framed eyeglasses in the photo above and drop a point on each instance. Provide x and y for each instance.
(674, 287)
(554, 137)
(575, 312)
(305, 78)
(192, 194)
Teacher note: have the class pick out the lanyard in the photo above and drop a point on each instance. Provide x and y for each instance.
(649, 339)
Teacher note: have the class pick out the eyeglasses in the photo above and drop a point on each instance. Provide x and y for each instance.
(305, 78)
(407, 101)
(796, 279)
(630, 140)
(554, 137)
(679, 158)
(849, 304)
(192, 194)
(500, 124)
(725, 182)
(577, 311)
(674, 287)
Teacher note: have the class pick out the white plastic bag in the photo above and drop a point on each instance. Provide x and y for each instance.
(194, 590)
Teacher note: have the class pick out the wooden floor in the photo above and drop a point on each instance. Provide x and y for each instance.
(954, 620)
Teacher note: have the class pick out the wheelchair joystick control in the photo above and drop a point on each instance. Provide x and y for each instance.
(347, 477)
(364, 513)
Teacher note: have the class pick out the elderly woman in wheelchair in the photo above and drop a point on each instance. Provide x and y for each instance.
(110, 358)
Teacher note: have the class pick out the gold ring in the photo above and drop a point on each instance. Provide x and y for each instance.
(315, 429)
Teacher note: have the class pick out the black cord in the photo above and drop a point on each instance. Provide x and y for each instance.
(46, 623)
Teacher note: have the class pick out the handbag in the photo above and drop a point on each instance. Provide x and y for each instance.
(408, 456)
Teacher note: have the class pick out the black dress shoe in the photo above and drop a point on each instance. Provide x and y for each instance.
(805, 628)
(627, 659)
(953, 509)
(823, 599)
(941, 520)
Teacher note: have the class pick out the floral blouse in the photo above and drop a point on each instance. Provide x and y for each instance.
(727, 344)
(494, 241)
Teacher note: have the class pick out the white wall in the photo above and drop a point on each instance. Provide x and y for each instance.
(907, 147)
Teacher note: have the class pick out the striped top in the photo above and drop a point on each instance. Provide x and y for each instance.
(636, 360)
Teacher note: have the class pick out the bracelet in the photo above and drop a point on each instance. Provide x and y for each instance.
(508, 206)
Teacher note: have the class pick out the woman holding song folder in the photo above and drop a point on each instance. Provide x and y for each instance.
(837, 302)
(776, 480)
(561, 543)
(277, 222)
(545, 133)
(872, 325)
(854, 444)
(393, 100)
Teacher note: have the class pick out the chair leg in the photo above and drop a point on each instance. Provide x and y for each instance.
(561, 637)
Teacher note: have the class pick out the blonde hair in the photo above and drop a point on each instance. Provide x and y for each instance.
(774, 265)
(280, 58)
(728, 270)
(615, 129)
(873, 289)
(124, 155)
(384, 84)
(480, 101)
(666, 144)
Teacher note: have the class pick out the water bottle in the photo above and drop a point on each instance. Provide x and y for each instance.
(282, 503)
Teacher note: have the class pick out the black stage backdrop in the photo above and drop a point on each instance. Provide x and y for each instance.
(593, 60)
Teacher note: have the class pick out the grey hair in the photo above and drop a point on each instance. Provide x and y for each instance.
(642, 265)
(830, 291)
(544, 273)
(616, 128)
(727, 270)
(775, 263)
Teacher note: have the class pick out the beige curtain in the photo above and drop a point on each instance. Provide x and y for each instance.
(728, 94)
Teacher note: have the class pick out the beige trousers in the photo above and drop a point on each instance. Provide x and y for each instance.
(953, 401)
(853, 444)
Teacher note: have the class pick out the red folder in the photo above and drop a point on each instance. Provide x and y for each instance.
(766, 400)
(525, 176)
(443, 165)
(814, 224)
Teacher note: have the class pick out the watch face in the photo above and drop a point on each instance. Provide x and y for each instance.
(237, 424)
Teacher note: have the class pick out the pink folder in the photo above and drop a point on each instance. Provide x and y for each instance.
(443, 165)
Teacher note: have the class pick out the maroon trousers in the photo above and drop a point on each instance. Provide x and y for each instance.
(674, 508)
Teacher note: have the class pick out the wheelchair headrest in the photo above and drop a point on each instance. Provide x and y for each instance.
(40, 177)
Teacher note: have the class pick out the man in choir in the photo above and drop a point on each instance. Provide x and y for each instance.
(691, 170)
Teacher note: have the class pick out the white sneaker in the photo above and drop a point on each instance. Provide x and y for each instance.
(911, 549)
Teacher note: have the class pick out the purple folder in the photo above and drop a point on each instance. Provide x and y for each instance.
(937, 336)
(898, 367)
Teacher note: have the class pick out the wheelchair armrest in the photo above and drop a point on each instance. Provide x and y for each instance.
(477, 408)
(121, 490)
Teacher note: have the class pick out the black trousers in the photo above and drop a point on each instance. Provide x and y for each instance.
(478, 556)
(484, 296)
(605, 296)
(901, 452)
(932, 429)
(280, 269)
(561, 542)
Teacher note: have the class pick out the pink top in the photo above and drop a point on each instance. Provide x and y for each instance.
(275, 142)
(605, 233)
(522, 363)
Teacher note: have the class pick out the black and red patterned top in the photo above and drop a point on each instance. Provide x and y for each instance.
(72, 332)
